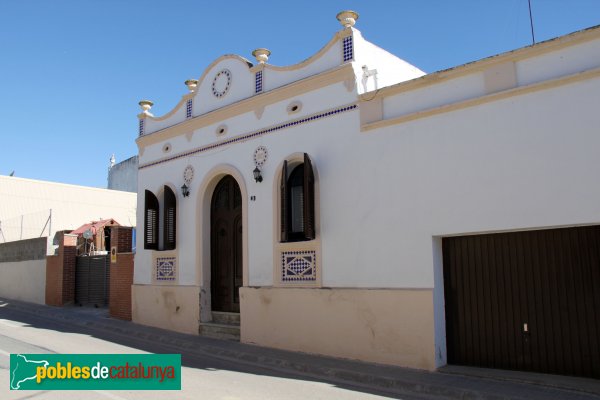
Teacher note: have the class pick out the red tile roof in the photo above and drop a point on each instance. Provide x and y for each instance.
(94, 226)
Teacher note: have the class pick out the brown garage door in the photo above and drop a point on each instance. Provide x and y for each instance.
(525, 300)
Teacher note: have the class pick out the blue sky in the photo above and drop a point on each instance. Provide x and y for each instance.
(73, 71)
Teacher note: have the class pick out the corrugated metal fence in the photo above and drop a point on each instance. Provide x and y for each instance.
(92, 280)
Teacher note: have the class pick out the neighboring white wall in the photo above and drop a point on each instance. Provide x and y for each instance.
(123, 175)
(24, 280)
(71, 205)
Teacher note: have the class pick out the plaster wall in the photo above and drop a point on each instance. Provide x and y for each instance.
(448, 92)
(24, 280)
(516, 72)
(327, 58)
(511, 164)
(525, 162)
(390, 68)
(382, 326)
(566, 61)
(169, 307)
(308, 138)
(71, 206)
(162, 122)
(123, 176)
(386, 196)
(23, 250)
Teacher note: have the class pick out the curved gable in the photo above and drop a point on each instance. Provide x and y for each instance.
(231, 79)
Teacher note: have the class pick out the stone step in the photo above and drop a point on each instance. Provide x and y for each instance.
(219, 331)
(226, 318)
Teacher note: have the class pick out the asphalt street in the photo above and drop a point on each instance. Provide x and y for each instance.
(218, 369)
(203, 377)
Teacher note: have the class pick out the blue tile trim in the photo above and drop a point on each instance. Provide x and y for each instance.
(141, 127)
(348, 48)
(248, 136)
(188, 109)
(259, 82)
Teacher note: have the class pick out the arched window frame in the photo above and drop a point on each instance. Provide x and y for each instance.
(287, 232)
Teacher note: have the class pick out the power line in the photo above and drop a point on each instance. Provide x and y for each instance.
(531, 22)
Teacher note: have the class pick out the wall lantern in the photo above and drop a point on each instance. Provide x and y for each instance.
(257, 175)
(185, 190)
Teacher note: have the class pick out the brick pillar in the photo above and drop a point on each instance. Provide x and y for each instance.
(121, 273)
(120, 236)
(60, 271)
(69, 260)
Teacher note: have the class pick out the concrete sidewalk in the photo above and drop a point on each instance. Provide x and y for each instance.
(450, 382)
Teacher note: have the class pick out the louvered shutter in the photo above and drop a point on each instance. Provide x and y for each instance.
(150, 221)
(283, 198)
(169, 218)
(309, 199)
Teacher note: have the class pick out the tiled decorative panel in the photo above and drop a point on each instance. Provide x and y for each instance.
(299, 266)
(259, 82)
(348, 48)
(141, 127)
(188, 109)
(166, 268)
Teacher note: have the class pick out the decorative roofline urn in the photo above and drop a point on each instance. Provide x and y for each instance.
(146, 106)
(261, 55)
(191, 84)
(347, 18)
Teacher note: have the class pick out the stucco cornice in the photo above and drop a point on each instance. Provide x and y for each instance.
(593, 73)
(480, 65)
(314, 82)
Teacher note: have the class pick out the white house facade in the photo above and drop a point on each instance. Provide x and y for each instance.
(354, 206)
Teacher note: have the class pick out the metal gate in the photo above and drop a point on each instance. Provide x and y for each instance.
(525, 300)
(92, 285)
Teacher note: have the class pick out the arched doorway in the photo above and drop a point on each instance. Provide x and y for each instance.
(226, 245)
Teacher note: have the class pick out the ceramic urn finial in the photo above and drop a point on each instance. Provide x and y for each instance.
(347, 18)
(261, 55)
(191, 84)
(146, 106)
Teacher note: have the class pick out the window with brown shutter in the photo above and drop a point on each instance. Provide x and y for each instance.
(309, 199)
(297, 193)
(284, 206)
(150, 221)
(169, 219)
(160, 218)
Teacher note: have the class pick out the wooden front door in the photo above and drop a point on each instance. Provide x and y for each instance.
(226, 245)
